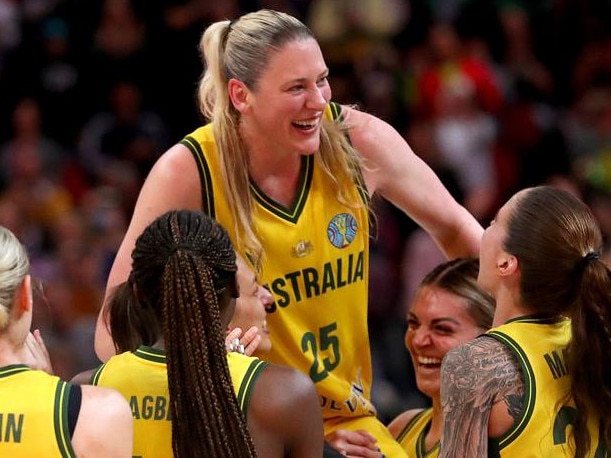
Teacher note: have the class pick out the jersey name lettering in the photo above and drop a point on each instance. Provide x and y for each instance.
(11, 427)
(309, 282)
(150, 408)
(556, 363)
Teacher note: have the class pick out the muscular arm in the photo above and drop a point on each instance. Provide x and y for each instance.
(172, 183)
(481, 394)
(284, 415)
(392, 169)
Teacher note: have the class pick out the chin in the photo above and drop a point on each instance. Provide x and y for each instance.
(265, 346)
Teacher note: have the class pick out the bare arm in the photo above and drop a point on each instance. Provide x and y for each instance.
(172, 183)
(392, 169)
(480, 381)
(105, 426)
(284, 416)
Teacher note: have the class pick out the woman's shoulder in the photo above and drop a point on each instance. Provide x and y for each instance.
(399, 423)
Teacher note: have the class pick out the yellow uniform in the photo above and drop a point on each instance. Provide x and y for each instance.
(413, 434)
(141, 377)
(33, 414)
(316, 264)
(543, 428)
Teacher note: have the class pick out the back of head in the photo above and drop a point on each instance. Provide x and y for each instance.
(557, 242)
(184, 268)
(14, 266)
(550, 231)
(459, 277)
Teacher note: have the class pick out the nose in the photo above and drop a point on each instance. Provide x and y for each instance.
(317, 98)
(421, 337)
(265, 296)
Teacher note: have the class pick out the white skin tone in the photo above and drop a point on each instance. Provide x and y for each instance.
(498, 273)
(250, 311)
(280, 121)
(104, 412)
(437, 322)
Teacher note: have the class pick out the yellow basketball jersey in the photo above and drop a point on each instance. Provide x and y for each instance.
(141, 377)
(316, 266)
(543, 428)
(33, 414)
(412, 436)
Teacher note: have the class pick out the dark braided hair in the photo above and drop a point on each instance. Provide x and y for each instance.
(184, 269)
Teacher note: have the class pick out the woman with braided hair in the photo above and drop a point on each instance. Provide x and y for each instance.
(538, 384)
(189, 397)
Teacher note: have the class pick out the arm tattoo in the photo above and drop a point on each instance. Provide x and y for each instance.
(474, 377)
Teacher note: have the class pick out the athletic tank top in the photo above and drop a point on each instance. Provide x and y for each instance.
(543, 427)
(412, 436)
(33, 414)
(316, 265)
(141, 377)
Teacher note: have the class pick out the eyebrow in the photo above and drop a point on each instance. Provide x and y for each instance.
(411, 315)
(325, 73)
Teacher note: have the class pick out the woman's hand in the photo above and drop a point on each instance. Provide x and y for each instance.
(245, 344)
(354, 444)
(36, 354)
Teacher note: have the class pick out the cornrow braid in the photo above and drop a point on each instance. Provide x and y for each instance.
(183, 264)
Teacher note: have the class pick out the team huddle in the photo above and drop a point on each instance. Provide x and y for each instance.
(235, 317)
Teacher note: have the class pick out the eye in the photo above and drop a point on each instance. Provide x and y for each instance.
(323, 81)
(412, 324)
(444, 330)
(297, 88)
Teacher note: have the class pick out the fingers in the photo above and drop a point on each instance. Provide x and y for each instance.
(251, 340)
(355, 444)
(37, 356)
(252, 345)
(246, 344)
(232, 335)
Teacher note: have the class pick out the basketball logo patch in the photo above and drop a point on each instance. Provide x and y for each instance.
(342, 230)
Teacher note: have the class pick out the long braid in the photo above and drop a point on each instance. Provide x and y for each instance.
(194, 262)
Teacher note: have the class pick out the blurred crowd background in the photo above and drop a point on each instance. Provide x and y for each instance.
(495, 95)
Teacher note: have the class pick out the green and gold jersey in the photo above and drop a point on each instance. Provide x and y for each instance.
(33, 414)
(141, 377)
(543, 428)
(316, 266)
(412, 436)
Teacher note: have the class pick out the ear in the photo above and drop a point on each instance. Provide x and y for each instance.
(238, 94)
(506, 265)
(24, 295)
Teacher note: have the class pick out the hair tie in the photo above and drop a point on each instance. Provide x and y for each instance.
(585, 260)
(592, 255)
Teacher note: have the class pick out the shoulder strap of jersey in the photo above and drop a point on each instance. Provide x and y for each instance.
(205, 177)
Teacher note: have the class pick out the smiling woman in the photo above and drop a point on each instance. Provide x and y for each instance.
(448, 310)
(289, 174)
(250, 307)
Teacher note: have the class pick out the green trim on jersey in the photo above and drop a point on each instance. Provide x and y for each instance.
(413, 435)
(290, 214)
(151, 354)
(205, 178)
(248, 384)
(62, 430)
(529, 387)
